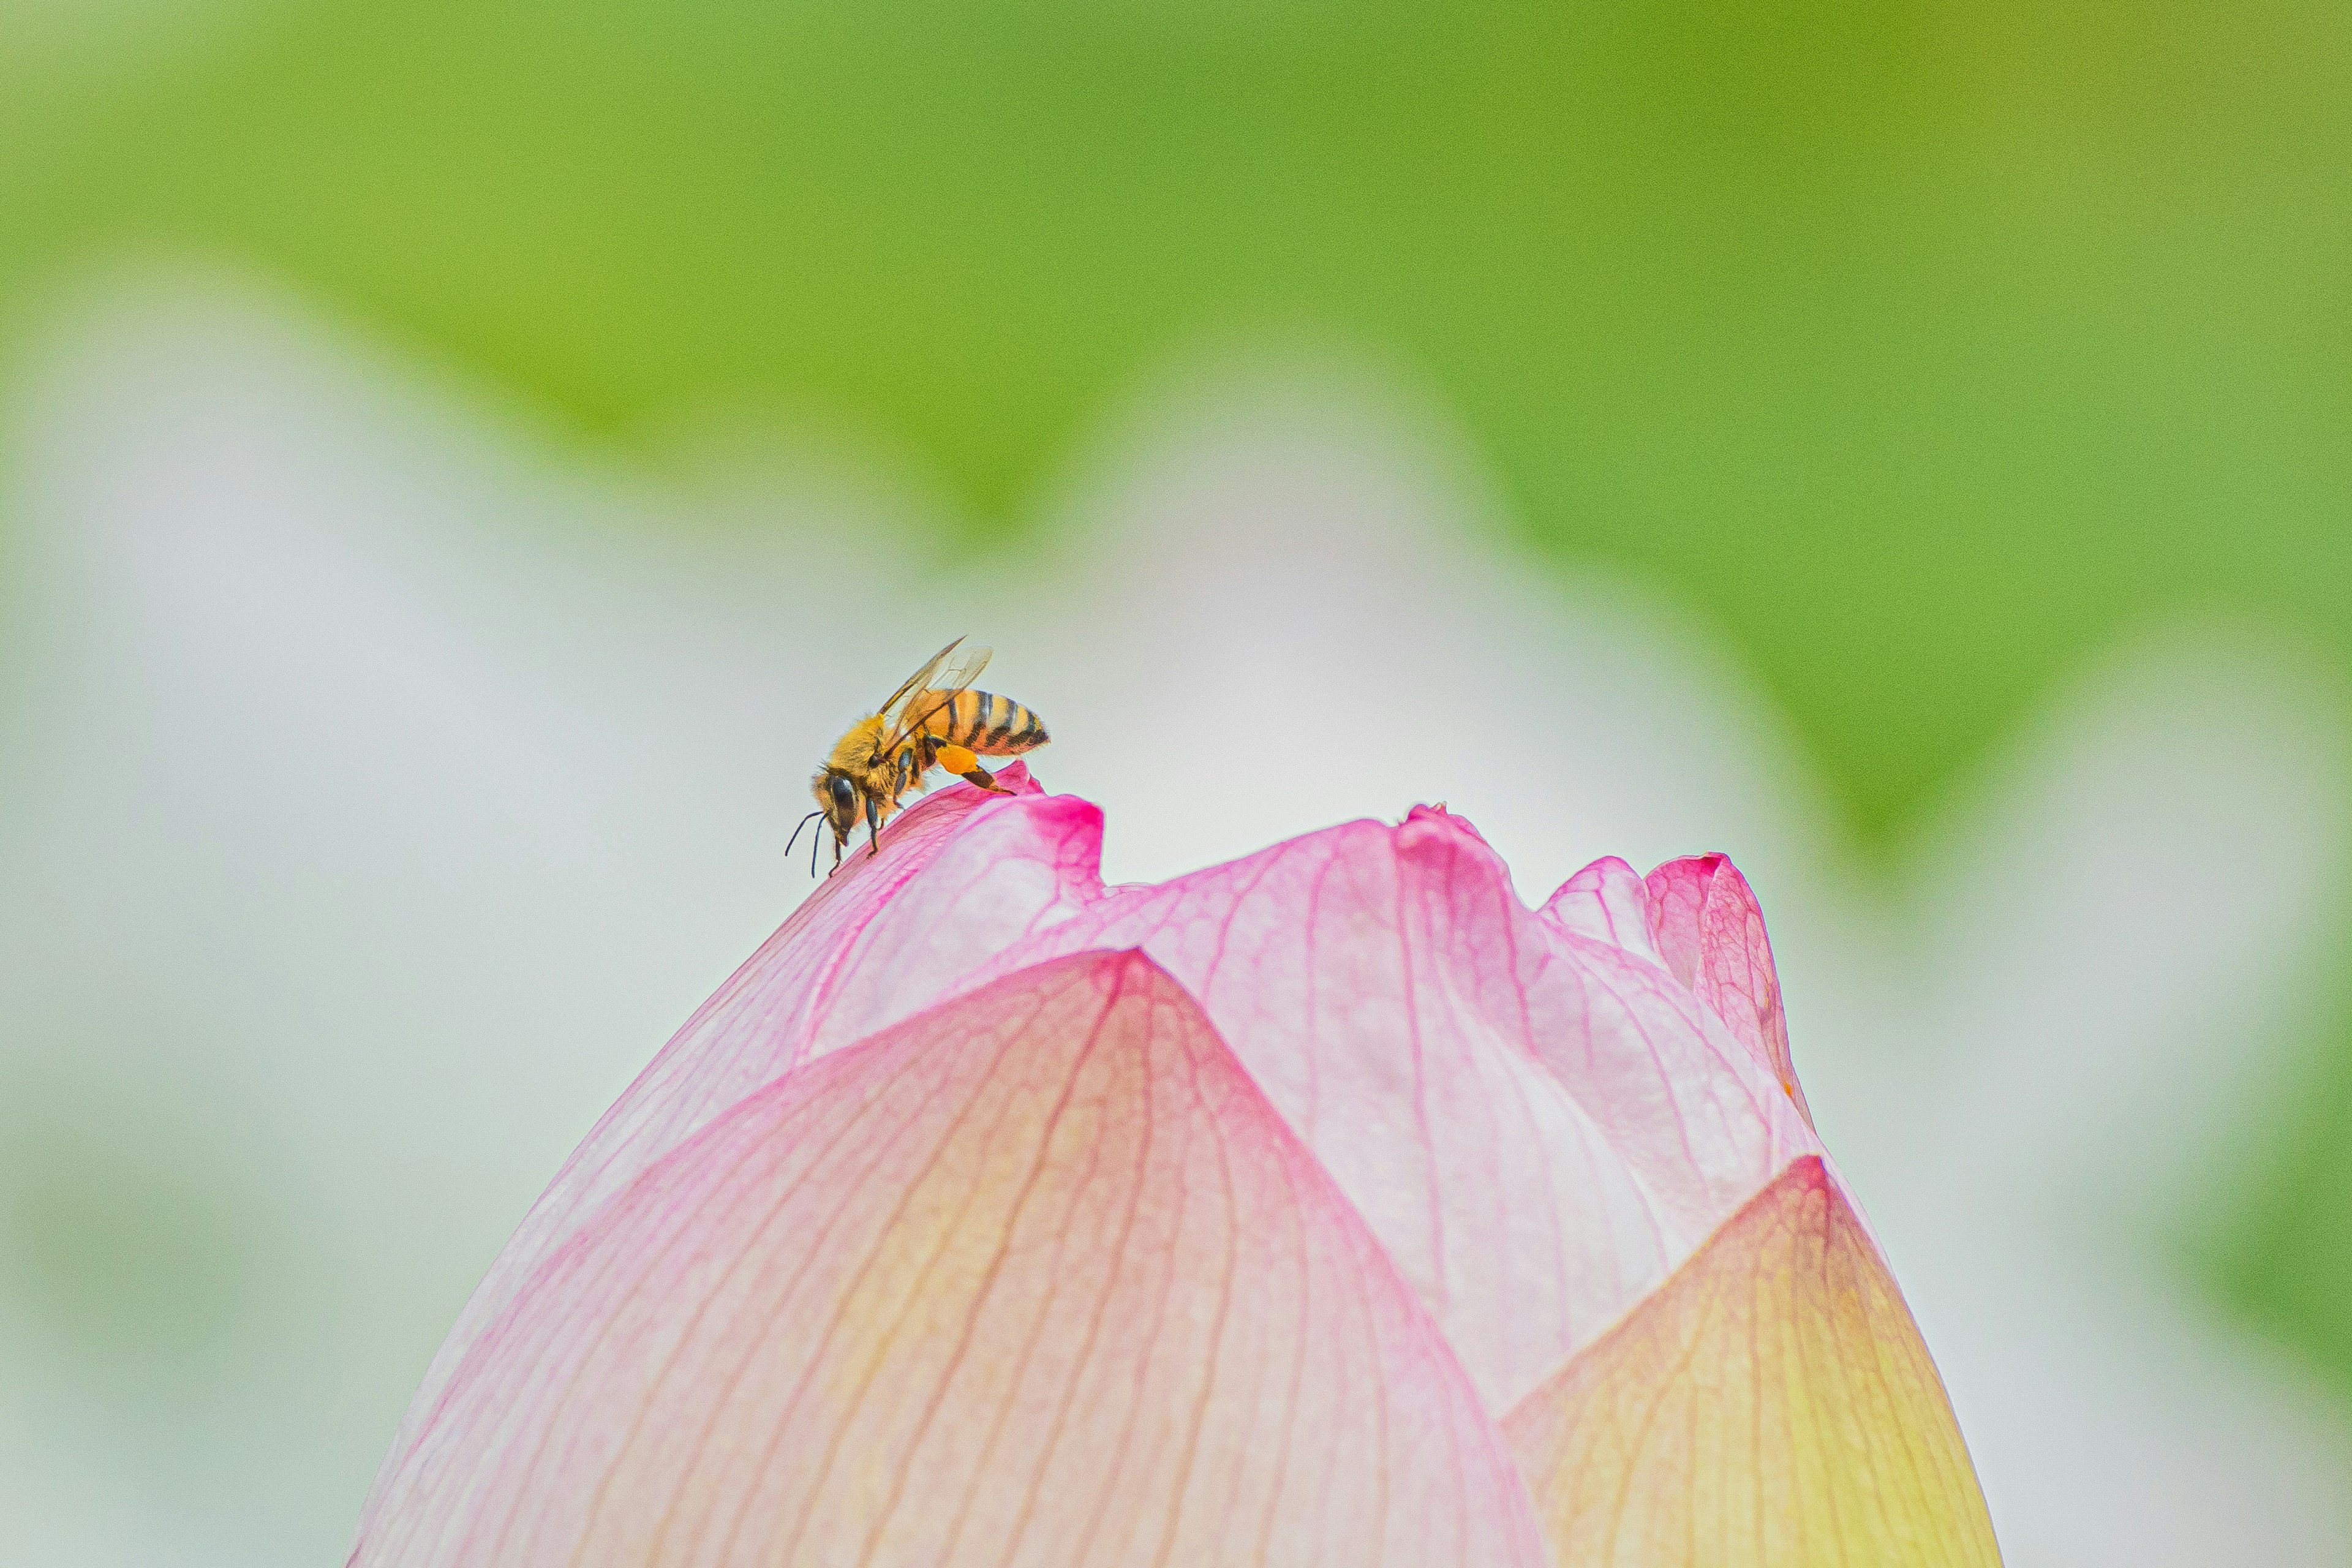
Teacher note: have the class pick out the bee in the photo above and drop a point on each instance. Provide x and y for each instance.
(934, 719)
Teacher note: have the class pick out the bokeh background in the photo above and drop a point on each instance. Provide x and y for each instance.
(460, 462)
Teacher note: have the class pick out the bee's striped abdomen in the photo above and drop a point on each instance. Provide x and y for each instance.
(992, 725)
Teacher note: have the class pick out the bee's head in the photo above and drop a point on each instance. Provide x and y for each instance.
(837, 798)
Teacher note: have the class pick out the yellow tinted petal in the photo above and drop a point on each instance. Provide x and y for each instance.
(1772, 1404)
(1035, 1280)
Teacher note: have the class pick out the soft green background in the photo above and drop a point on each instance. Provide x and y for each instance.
(1922, 346)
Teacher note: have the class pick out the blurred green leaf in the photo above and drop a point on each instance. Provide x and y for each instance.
(130, 1245)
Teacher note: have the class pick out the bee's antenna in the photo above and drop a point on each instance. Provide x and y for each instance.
(795, 838)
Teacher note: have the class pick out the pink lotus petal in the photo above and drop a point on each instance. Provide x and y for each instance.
(1536, 1125)
(1707, 925)
(961, 876)
(1772, 1404)
(1605, 902)
(1036, 1277)
(1701, 1117)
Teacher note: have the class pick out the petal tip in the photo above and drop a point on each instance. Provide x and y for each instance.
(1807, 1173)
(1018, 778)
(1435, 825)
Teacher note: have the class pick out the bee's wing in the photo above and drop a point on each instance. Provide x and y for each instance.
(945, 677)
(931, 667)
(959, 672)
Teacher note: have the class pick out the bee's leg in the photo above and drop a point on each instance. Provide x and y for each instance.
(957, 760)
(873, 825)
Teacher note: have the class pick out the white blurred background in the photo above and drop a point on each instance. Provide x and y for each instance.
(380, 782)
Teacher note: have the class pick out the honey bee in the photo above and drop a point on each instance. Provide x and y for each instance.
(934, 719)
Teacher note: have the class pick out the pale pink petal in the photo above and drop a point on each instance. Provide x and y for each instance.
(1694, 1110)
(960, 877)
(1536, 1125)
(1709, 929)
(1036, 1277)
(1605, 902)
(1772, 1405)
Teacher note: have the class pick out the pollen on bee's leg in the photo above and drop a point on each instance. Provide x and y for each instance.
(960, 761)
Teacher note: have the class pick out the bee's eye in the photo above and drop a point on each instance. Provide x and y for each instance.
(845, 797)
